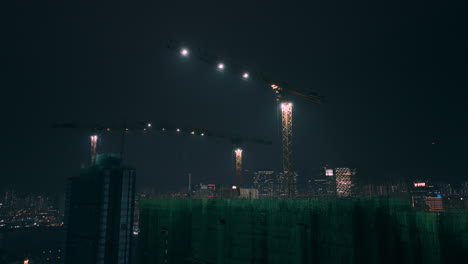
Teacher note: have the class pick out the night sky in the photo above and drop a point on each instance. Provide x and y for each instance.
(393, 74)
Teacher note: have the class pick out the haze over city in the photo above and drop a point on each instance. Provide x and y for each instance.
(261, 100)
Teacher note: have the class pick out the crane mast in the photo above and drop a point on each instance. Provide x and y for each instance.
(238, 181)
(288, 184)
(94, 142)
(286, 140)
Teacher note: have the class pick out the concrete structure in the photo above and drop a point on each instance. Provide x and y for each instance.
(248, 193)
(99, 213)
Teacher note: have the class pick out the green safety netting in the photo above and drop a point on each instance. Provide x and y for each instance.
(281, 231)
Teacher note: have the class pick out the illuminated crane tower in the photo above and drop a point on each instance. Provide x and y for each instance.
(286, 139)
(238, 181)
(286, 133)
(94, 141)
(289, 182)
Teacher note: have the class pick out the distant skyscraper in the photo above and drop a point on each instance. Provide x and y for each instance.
(344, 181)
(99, 213)
(284, 185)
(320, 187)
(265, 182)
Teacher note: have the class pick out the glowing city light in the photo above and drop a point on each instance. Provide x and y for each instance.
(234, 187)
(149, 124)
(245, 75)
(108, 129)
(178, 130)
(202, 134)
(419, 184)
(126, 129)
(274, 86)
(238, 151)
(221, 66)
(192, 133)
(184, 52)
(163, 129)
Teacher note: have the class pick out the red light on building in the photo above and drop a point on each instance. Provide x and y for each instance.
(419, 184)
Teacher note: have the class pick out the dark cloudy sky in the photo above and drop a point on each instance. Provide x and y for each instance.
(393, 73)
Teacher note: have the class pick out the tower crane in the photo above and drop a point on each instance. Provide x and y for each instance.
(281, 91)
(98, 129)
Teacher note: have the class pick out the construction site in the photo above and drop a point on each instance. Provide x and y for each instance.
(281, 228)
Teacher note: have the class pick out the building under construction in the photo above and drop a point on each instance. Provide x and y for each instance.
(302, 231)
(99, 213)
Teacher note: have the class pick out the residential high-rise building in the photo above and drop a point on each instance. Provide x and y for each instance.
(99, 213)
(344, 181)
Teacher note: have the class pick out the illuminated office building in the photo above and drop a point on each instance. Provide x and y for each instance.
(344, 181)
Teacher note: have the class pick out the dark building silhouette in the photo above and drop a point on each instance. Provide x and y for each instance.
(99, 213)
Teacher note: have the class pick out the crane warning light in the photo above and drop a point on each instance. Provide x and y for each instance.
(245, 75)
(286, 106)
(184, 52)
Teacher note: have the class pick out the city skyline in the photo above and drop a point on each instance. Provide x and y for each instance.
(390, 80)
(233, 132)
